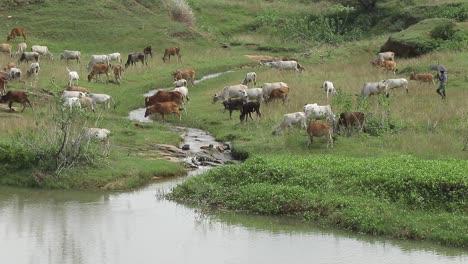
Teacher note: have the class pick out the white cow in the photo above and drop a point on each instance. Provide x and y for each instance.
(34, 68)
(185, 96)
(71, 55)
(291, 119)
(29, 56)
(180, 83)
(329, 88)
(286, 65)
(70, 94)
(115, 57)
(250, 77)
(21, 48)
(87, 102)
(374, 88)
(95, 59)
(388, 55)
(396, 83)
(255, 94)
(268, 87)
(315, 111)
(15, 73)
(71, 102)
(103, 99)
(42, 50)
(72, 76)
(97, 134)
(230, 92)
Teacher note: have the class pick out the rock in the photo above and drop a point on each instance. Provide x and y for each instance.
(186, 147)
(220, 148)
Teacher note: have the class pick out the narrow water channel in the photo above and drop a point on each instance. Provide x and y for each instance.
(52, 226)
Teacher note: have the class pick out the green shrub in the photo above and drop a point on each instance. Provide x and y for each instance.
(181, 11)
(444, 31)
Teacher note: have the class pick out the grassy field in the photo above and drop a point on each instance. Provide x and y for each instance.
(406, 129)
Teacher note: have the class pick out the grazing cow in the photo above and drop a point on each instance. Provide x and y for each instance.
(396, 83)
(319, 112)
(388, 66)
(248, 109)
(180, 83)
(9, 66)
(118, 71)
(268, 87)
(42, 50)
(5, 48)
(232, 105)
(278, 93)
(72, 76)
(374, 88)
(383, 56)
(134, 58)
(21, 48)
(72, 102)
(97, 134)
(422, 77)
(148, 51)
(15, 73)
(172, 51)
(16, 32)
(29, 56)
(286, 65)
(164, 108)
(69, 94)
(255, 94)
(34, 68)
(350, 119)
(250, 77)
(184, 91)
(76, 89)
(99, 69)
(163, 96)
(329, 88)
(103, 99)
(86, 102)
(95, 59)
(289, 120)
(230, 92)
(187, 74)
(71, 55)
(317, 129)
(115, 57)
(16, 97)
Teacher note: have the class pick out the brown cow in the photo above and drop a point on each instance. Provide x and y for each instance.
(172, 51)
(422, 77)
(317, 129)
(17, 97)
(9, 66)
(388, 66)
(118, 70)
(77, 89)
(17, 32)
(187, 74)
(98, 69)
(278, 93)
(148, 51)
(163, 96)
(164, 108)
(350, 119)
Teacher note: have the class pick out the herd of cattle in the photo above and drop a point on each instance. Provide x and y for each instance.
(234, 97)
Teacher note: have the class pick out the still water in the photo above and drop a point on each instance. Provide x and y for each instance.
(43, 226)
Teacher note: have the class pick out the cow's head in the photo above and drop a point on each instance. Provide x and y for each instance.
(215, 98)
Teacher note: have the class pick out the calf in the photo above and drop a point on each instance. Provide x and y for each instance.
(164, 108)
(250, 77)
(232, 105)
(317, 129)
(289, 120)
(172, 51)
(16, 97)
(72, 102)
(87, 102)
(422, 77)
(6, 48)
(118, 71)
(34, 68)
(99, 69)
(72, 76)
(278, 93)
(350, 119)
(248, 109)
(329, 88)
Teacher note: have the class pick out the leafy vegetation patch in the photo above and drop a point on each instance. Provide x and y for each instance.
(372, 195)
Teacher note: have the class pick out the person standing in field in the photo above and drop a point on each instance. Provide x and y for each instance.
(443, 82)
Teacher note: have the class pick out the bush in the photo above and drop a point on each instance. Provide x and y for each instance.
(444, 31)
(180, 11)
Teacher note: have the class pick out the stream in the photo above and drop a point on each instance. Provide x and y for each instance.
(139, 226)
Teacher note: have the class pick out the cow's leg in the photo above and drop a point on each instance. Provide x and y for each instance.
(309, 140)
(230, 114)
(10, 103)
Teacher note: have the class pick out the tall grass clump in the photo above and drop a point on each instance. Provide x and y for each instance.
(180, 11)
